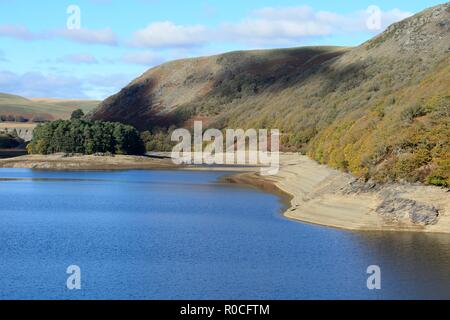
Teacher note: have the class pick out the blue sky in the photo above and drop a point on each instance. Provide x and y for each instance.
(118, 40)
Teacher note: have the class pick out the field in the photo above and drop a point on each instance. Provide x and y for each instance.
(41, 109)
(16, 125)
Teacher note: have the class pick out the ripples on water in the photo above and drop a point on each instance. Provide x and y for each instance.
(185, 235)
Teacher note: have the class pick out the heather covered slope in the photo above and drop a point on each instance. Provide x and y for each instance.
(399, 128)
(380, 110)
(204, 87)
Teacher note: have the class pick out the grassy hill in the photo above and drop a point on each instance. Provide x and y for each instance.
(43, 109)
(380, 110)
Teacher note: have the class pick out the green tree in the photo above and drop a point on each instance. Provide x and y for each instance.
(77, 114)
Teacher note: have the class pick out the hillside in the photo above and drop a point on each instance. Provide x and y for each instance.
(203, 87)
(41, 109)
(380, 110)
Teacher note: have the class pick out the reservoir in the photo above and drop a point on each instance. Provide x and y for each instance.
(188, 235)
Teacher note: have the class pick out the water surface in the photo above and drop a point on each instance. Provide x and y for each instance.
(186, 235)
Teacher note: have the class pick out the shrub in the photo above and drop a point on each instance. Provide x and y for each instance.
(440, 175)
(158, 139)
(413, 112)
(438, 181)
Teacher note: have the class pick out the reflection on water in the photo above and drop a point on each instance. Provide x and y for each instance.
(12, 153)
(185, 235)
(418, 263)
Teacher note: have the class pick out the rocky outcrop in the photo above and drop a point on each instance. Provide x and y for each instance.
(394, 206)
(399, 209)
(422, 32)
(25, 134)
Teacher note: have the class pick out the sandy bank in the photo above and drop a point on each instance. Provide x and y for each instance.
(160, 160)
(323, 196)
(63, 162)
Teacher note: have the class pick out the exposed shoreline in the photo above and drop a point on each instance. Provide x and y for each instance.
(312, 193)
(64, 162)
(61, 162)
(322, 196)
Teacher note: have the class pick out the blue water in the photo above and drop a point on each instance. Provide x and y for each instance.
(186, 235)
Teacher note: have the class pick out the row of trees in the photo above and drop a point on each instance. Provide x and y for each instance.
(85, 137)
(12, 118)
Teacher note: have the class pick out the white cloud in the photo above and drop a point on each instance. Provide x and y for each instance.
(86, 36)
(166, 34)
(36, 84)
(58, 85)
(17, 32)
(288, 25)
(267, 26)
(146, 58)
